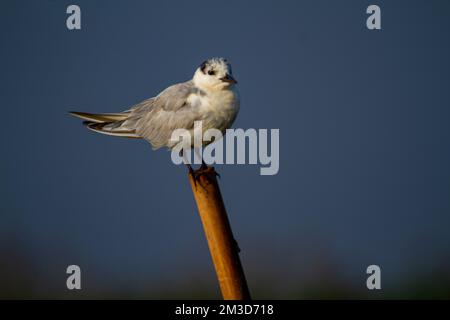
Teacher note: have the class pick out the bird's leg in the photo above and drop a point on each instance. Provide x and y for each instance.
(203, 166)
(203, 170)
(206, 171)
(197, 153)
(191, 171)
(186, 162)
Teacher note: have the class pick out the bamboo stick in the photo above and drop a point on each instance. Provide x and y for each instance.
(222, 246)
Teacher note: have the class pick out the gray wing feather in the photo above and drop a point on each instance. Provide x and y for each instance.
(156, 118)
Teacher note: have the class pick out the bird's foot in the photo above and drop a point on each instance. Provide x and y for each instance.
(208, 172)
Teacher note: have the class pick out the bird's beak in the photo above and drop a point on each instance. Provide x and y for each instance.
(229, 78)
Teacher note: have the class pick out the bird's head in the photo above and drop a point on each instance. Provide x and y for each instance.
(214, 74)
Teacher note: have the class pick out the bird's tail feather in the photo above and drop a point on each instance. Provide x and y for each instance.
(100, 117)
(106, 123)
(105, 128)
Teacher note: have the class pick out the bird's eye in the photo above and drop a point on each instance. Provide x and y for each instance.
(211, 72)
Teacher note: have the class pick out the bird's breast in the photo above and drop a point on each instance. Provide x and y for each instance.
(220, 109)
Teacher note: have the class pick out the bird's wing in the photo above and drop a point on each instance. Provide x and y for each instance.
(155, 119)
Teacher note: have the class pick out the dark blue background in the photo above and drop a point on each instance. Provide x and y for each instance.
(364, 148)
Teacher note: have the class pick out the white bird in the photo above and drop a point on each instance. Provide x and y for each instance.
(210, 96)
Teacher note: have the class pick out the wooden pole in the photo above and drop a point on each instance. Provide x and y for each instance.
(222, 246)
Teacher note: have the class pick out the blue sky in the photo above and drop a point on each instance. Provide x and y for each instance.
(363, 118)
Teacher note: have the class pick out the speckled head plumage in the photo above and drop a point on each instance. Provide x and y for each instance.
(214, 73)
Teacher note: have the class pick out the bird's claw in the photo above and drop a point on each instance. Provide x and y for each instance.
(204, 170)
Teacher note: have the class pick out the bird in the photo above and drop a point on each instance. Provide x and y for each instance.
(210, 96)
